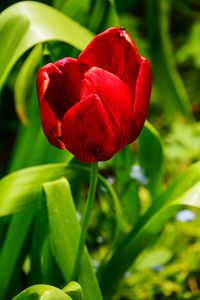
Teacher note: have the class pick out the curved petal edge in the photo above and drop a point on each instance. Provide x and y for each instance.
(142, 96)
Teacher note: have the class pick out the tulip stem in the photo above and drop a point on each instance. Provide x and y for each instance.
(86, 217)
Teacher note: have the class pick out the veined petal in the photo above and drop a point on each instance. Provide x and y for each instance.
(58, 88)
(100, 124)
(87, 131)
(113, 50)
(116, 99)
(142, 96)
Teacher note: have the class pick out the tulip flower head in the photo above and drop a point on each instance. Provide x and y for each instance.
(96, 104)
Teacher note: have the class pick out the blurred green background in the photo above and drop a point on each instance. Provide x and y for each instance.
(167, 32)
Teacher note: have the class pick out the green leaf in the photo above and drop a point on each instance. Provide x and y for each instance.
(152, 258)
(24, 82)
(184, 191)
(191, 47)
(173, 94)
(42, 292)
(64, 235)
(23, 150)
(151, 157)
(12, 249)
(74, 290)
(23, 25)
(121, 163)
(112, 18)
(20, 189)
(50, 270)
(97, 15)
(131, 203)
(26, 153)
(75, 9)
(39, 234)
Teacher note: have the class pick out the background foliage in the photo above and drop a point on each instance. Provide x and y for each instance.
(143, 239)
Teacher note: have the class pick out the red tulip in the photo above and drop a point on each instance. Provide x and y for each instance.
(97, 104)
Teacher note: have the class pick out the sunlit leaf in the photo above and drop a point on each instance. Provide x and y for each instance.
(64, 235)
(74, 290)
(191, 46)
(184, 191)
(42, 292)
(20, 189)
(153, 258)
(25, 25)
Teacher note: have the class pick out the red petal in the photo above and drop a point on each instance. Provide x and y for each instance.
(101, 123)
(114, 51)
(142, 96)
(50, 123)
(87, 131)
(115, 97)
(64, 87)
(58, 88)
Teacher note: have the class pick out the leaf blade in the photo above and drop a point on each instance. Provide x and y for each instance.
(42, 292)
(32, 29)
(184, 191)
(64, 236)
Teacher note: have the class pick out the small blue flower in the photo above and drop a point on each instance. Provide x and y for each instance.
(99, 239)
(157, 268)
(95, 264)
(138, 174)
(185, 215)
(111, 180)
(127, 274)
(78, 214)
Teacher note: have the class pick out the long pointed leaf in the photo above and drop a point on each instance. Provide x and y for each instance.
(12, 249)
(64, 233)
(20, 189)
(184, 191)
(150, 145)
(172, 91)
(28, 23)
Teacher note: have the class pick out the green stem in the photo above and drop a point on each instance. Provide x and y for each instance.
(86, 217)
